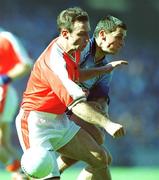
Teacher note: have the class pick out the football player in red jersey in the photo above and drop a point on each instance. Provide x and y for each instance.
(52, 89)
(14, 63)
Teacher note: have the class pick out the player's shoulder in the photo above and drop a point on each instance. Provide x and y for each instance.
(8, 35)
(56, 52)
(86, 51)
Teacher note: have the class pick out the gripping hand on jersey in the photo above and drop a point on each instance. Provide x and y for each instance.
(4, 79)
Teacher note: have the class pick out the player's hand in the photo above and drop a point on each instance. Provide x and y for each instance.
(4, 79)
(115, 64)
(86, 91)
(115, 129)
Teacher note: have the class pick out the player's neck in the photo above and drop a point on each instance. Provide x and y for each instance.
(99, 54)
(68, 51)
(62, 43)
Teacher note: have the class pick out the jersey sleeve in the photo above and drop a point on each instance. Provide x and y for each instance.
(58, 66)
(84, 54)
(18, 48)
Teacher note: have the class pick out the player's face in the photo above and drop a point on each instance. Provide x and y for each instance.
(114, 41)
(79, 37)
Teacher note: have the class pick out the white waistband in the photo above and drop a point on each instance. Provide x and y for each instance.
(41, 114)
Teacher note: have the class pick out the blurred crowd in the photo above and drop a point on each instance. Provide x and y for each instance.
(134, 89)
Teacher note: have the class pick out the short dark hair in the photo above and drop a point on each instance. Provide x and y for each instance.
(68, 16)
(109, 24)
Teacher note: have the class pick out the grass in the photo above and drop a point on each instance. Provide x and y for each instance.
(122, 173)
(118, 173)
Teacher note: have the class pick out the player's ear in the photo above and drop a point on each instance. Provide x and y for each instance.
(64, 33)
(102, 34)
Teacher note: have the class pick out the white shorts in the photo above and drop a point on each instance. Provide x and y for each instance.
(48, 130)
(10, 106)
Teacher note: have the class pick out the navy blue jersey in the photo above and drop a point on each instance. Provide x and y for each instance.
(98, 86)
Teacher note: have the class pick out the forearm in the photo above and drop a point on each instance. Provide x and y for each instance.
(86, 74)
(90, 113)
(19, 70)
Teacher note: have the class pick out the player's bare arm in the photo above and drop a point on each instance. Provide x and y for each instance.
(89, 112)
(86, 74)
(118, 63)
(19, 70)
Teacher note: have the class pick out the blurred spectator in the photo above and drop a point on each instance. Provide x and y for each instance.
(14, 63)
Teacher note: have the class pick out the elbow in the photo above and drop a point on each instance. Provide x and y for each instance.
(27, 68)
(82, 78)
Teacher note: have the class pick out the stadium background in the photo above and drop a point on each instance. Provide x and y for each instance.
(134, 89)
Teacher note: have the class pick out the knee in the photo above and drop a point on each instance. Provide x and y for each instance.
(99, 139)
(103, 159)
(100, 136)
(109, 158)
(67, 161)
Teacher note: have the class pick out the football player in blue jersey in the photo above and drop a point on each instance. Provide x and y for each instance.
(108, 38)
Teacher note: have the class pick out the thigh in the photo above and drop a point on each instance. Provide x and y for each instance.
(83, 147)
(6, 132)
(10, 105)
(44, 129)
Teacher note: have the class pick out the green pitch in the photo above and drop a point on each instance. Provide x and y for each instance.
(121, 173)
(136, 173)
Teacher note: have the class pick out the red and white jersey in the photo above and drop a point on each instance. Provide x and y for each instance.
(51, 86)
(11, 52)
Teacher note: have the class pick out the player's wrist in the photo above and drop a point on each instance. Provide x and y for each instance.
(109, 67)
(112, 128)
(5, 79)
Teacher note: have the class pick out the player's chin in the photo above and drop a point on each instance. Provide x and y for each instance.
(81, 48)
(114, 51)
(111, 52)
